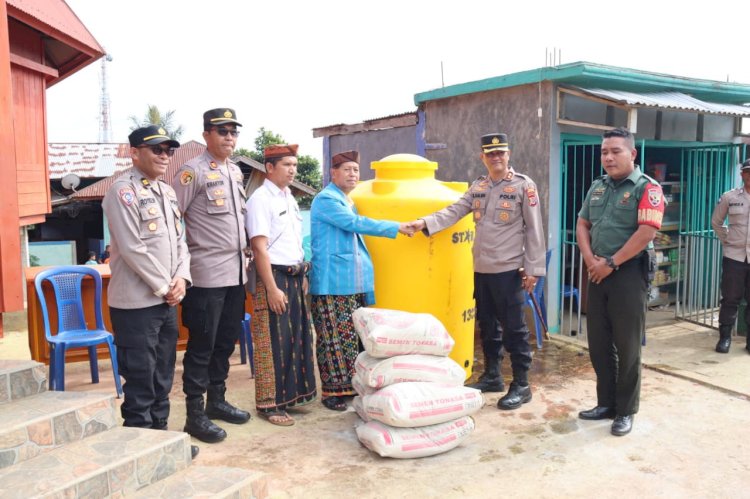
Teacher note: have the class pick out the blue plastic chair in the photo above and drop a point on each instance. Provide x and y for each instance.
(246, 345)
(72, 330)
(539, 294)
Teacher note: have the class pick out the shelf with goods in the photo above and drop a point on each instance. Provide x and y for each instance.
(669, 255)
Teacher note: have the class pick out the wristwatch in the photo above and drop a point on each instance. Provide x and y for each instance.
(611, 263)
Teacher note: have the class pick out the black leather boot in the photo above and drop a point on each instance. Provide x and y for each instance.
(218, 408)
(490, 380)
(747, 341)
(199, 426)
(517, 395)
(725, 339)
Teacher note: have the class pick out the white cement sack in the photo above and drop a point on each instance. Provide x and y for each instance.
(377, 373)
(387, 441)
(360, 387)
(359, 408)
(385, 333)
(416, 403)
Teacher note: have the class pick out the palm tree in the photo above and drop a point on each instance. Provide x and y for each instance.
(155, 117)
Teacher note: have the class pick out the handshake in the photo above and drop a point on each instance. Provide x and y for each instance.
(409, 228)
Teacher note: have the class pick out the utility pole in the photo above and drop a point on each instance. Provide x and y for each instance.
(105, 131)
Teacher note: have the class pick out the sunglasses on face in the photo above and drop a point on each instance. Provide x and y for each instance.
(224, 131)
(158, 150)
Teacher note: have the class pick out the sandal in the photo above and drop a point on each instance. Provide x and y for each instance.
(335, 403)
(279, 418)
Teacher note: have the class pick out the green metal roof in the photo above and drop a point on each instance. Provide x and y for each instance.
(600, 76)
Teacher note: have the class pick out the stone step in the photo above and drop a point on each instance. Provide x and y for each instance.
(33, 425)
(209, 481)
(21, 378)
(116, 462)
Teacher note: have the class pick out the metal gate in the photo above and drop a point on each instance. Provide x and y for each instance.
(707, 172)
(581, 164)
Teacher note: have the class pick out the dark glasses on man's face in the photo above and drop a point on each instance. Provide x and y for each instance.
(224, 131)
(158, 150)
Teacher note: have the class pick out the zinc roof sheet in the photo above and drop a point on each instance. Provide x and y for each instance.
(87, 160)
(677, 101)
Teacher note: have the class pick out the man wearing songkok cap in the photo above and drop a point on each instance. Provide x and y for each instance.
(282, 333)
(150, 267)
(342, 278)
(735, 270)
(212, 197)
(509, 236)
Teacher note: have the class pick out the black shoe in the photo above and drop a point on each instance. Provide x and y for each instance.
(598, 413)
(221, 409)
(489, 384)
(723, 345)
(516, 396)
(194, 450)
(622, 425)
(748, 347)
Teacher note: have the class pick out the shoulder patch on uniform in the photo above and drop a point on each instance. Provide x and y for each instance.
(533, 198)
(654, 195)
(127, 196)
(187, 176)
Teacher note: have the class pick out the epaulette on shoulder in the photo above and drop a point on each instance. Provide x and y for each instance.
(650, 179)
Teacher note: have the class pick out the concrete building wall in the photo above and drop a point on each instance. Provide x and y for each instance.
(375, 145)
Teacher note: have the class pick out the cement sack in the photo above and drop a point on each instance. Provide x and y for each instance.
(377, 373)
(359, 408)
(417, 403)
(387, 441)
(360, 387)
(385, 333)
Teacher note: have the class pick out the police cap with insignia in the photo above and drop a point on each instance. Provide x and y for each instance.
(745, 165)
(275, 151)
(220, 116)
(494, 142)
(343, 157)
(150, 136)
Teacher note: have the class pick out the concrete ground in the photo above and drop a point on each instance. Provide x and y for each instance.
(690, 439)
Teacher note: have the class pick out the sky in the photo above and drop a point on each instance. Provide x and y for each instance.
(294, 65)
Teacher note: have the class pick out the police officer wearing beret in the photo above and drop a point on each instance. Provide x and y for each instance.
(509, 236)
(620, 215)
(735, 270)
(150, 267)
(212, 197)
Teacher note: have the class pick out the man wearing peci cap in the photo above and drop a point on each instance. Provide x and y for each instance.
(509, 236)
(282, 334)
(342, 277)
(735, 269)
(150, 267)
(211, 195)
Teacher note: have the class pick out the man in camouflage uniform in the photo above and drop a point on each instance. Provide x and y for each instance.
(509, 236)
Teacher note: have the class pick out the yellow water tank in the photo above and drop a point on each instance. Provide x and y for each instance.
(421, 274)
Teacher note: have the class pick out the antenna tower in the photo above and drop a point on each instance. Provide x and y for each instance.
(105, 132)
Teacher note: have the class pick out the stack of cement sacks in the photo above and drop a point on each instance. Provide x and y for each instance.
(411, 395)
